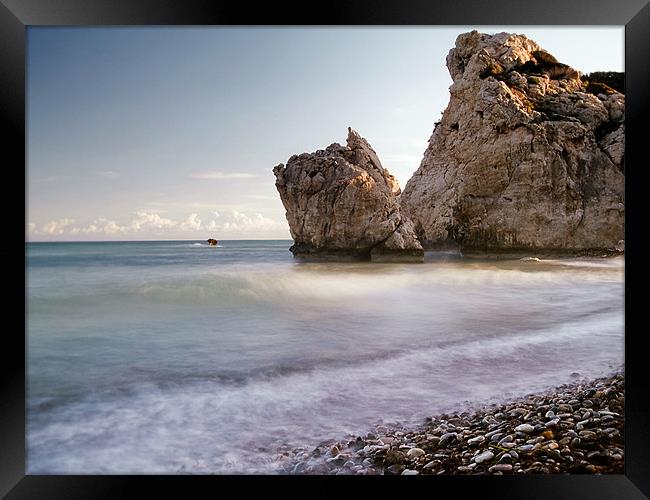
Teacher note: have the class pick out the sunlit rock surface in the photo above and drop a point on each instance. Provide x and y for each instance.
(341, 203)
(523, 157)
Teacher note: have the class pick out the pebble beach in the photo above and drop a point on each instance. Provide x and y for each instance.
(577, 428)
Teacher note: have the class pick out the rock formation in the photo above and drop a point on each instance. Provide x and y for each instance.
(527, 156)
(341, 203)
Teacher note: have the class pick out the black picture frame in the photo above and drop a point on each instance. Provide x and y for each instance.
(17, 15)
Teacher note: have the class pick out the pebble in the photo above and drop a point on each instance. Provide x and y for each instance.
(409, 472)
(394, 469)
(500, 468)
(496, 437)
(576, 429)
(525, 428)
(415, 453)
(476, 440)
(483, 457)
(447, 438)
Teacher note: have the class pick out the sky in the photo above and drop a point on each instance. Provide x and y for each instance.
(154, 133)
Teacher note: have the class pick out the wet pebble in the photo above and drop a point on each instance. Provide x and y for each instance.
(525, 428)
(500, 468)
(484, 457)
(415, 453)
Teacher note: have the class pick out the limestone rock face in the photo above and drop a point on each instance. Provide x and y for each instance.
(341, 203)
(522, 157)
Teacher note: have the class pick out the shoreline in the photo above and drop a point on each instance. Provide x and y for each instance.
(575, 428)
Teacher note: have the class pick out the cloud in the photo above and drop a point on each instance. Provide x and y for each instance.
(146, 220)
(234, 224)
(110, 174)
(56, 226)
(241, 224)
(192, 223)
(103, 226)
(215, 175)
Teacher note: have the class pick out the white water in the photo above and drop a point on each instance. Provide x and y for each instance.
(153, 358)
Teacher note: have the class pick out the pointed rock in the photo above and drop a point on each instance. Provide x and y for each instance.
(341, 203)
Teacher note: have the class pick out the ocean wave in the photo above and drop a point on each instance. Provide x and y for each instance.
(210, 426)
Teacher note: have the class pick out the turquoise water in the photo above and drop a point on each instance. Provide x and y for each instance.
(168, 357)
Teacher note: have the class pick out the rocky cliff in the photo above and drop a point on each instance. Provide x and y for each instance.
(342, 203)
(526, 156)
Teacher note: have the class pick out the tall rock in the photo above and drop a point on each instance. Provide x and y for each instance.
(341, 203)
(526, 156)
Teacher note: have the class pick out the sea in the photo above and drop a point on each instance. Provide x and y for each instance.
(174, 357)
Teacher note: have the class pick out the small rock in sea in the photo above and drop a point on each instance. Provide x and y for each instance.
(500, 468)
(525, 428)
(415, 453)
(409, 472)
(484, 457)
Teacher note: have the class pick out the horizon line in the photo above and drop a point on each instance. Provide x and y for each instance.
(144, 241)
